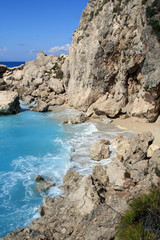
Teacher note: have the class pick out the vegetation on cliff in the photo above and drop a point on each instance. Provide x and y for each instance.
(142, 220)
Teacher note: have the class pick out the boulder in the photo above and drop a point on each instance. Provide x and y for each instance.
(40, 107)
(76, 119)
(145, 107)
(43, 184)
(100, 150)
(9, 102)
(152, 148)
(56, 85)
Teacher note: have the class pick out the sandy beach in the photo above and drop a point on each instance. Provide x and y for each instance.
(138, 127)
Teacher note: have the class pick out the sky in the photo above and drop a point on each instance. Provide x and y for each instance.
(31, 26)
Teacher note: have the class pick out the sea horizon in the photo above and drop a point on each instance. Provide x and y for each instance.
(11, 64)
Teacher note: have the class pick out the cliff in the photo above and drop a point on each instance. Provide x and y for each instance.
(114, 60)
(112, 69)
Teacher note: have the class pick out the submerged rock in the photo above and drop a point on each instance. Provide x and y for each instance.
(43, 184)
(38, 178)
(9, 102)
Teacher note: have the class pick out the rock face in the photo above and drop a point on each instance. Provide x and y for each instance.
(9, 102)
(92, 205)
(114, 59)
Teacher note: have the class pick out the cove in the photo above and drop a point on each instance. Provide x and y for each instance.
(31, 143)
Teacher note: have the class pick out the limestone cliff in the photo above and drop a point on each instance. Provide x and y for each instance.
(114, 60)
(113, 66)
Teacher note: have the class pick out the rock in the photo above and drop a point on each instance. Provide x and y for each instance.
(122, 147)
(40, 107)
(44, 185)
(9, 102)
(118, 140)
(92, 205)
(100, 175)
(56, 85)
(76, 119)
(3, 68)
(109, 107)
(39, 178)
(17, 75)
(154, 161)
(38, 81)
(152, 148)
(100, 150)
(59, 101)
(145, 108)
(116, 178)
(71, 179)
(105, 119)
(134, 149)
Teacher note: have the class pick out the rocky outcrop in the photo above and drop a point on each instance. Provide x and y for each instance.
(39, 81)
(9, 102)
(114, 60)
(92, 205)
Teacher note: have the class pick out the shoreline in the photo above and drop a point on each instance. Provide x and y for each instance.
(129, 124)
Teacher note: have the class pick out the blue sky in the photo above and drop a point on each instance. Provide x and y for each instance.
(30, 26)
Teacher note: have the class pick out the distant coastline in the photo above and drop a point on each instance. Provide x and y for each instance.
(12, 64)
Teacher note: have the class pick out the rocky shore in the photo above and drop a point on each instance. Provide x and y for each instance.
(111, 74)
(92, 205)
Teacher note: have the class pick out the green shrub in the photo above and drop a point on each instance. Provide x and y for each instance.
(59, 74)
(157, 172)
(91, 16)
(142, 220)
(58, 71)
(150, 12)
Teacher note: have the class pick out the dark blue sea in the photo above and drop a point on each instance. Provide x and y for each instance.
(12, 64)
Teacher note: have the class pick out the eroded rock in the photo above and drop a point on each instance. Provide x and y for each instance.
(9, 102)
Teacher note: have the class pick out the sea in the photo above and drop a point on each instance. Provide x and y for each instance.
(12, 64)
(32, 144)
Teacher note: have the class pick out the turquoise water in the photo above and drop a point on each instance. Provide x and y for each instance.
(34, 143)
(30, 144)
